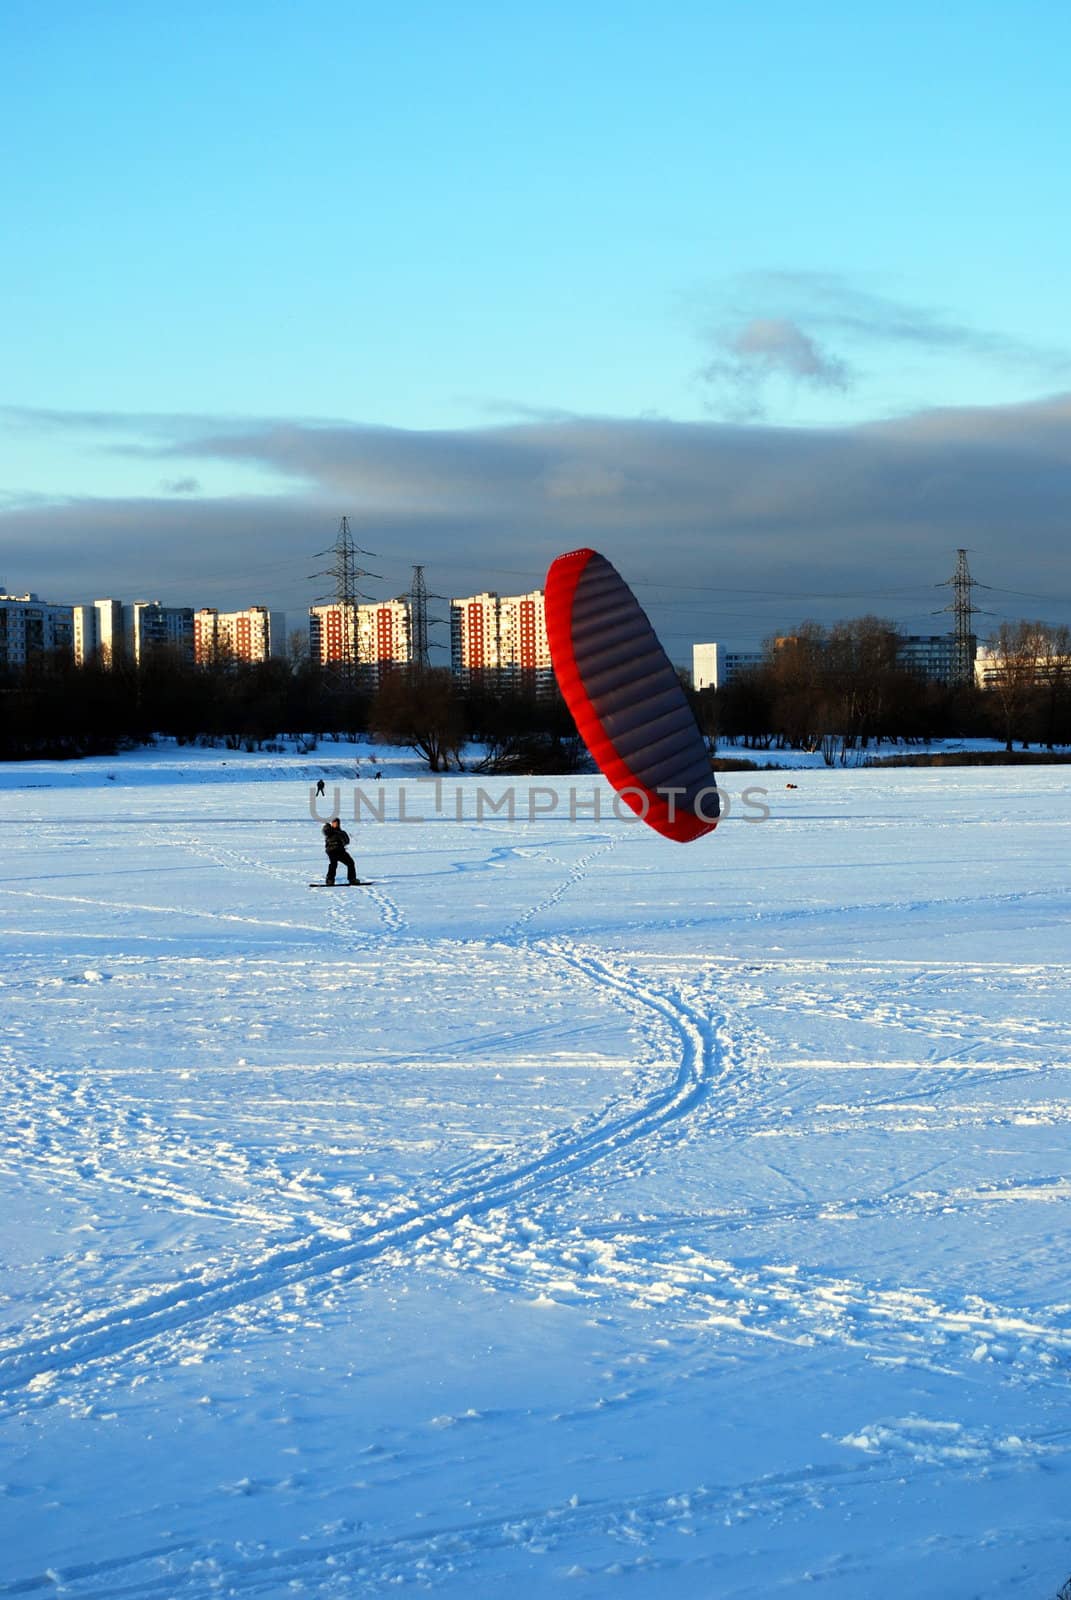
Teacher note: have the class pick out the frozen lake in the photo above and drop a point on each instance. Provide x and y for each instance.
(569, 1211)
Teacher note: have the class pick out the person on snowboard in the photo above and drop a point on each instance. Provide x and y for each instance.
(335, 842)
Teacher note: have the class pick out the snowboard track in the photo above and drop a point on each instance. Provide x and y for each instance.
(103, 1336)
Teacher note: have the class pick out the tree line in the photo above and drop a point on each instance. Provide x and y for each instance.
(51, 709)
(846, 687)
(835, 689)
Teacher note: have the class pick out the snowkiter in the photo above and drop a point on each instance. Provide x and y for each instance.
(335, 842)
(319, 786)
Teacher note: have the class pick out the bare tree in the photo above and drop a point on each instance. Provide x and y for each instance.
(1022, 653)
(794, 669)
(1056, 688)
(420, 709)
(862, 675)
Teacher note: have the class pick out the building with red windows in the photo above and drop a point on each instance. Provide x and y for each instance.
(503, 636)
(384, 636)
(373, 638)
(474, 635)
(523, 649)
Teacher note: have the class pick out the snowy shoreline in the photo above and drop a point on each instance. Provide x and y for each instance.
(169, 762)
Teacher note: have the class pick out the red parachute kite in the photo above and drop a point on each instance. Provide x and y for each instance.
(626, 698)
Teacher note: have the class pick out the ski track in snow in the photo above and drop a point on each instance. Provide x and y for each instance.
(630, 1523)
(107, 1335)
(71, 1135)
(784, 1303)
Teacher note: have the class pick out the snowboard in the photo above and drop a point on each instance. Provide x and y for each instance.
(362, 883)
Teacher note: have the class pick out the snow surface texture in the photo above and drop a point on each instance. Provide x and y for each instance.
(569, 1212)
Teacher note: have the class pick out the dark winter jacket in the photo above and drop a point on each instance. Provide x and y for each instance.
(335, 840)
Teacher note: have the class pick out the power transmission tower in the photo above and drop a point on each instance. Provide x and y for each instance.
(347, 572)
(964, 611)
(420, 622)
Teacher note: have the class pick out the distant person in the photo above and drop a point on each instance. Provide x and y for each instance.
(319, 786)
(335, 842)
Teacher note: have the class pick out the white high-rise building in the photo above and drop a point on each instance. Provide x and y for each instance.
(30, 628)
(255, 634)
(713, 666)
(99, 634)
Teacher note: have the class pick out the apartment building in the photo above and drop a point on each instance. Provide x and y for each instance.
(370, 637)
(31, 627)
(714, 665)
(934, 657)
(992, 667)
(99, 633)
(253, 635)
(156, 631)
(504, 636)
(384, 636)
(523, 647)
(474, 635)
(333, 635)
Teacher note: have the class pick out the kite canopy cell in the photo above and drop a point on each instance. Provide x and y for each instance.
(626, 698)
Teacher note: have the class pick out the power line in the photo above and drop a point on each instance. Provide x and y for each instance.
(772, 594)
(1023, 594)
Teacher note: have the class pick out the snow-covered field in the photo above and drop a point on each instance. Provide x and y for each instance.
(568, 1212)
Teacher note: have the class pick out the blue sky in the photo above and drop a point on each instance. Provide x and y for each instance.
(458, 220)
